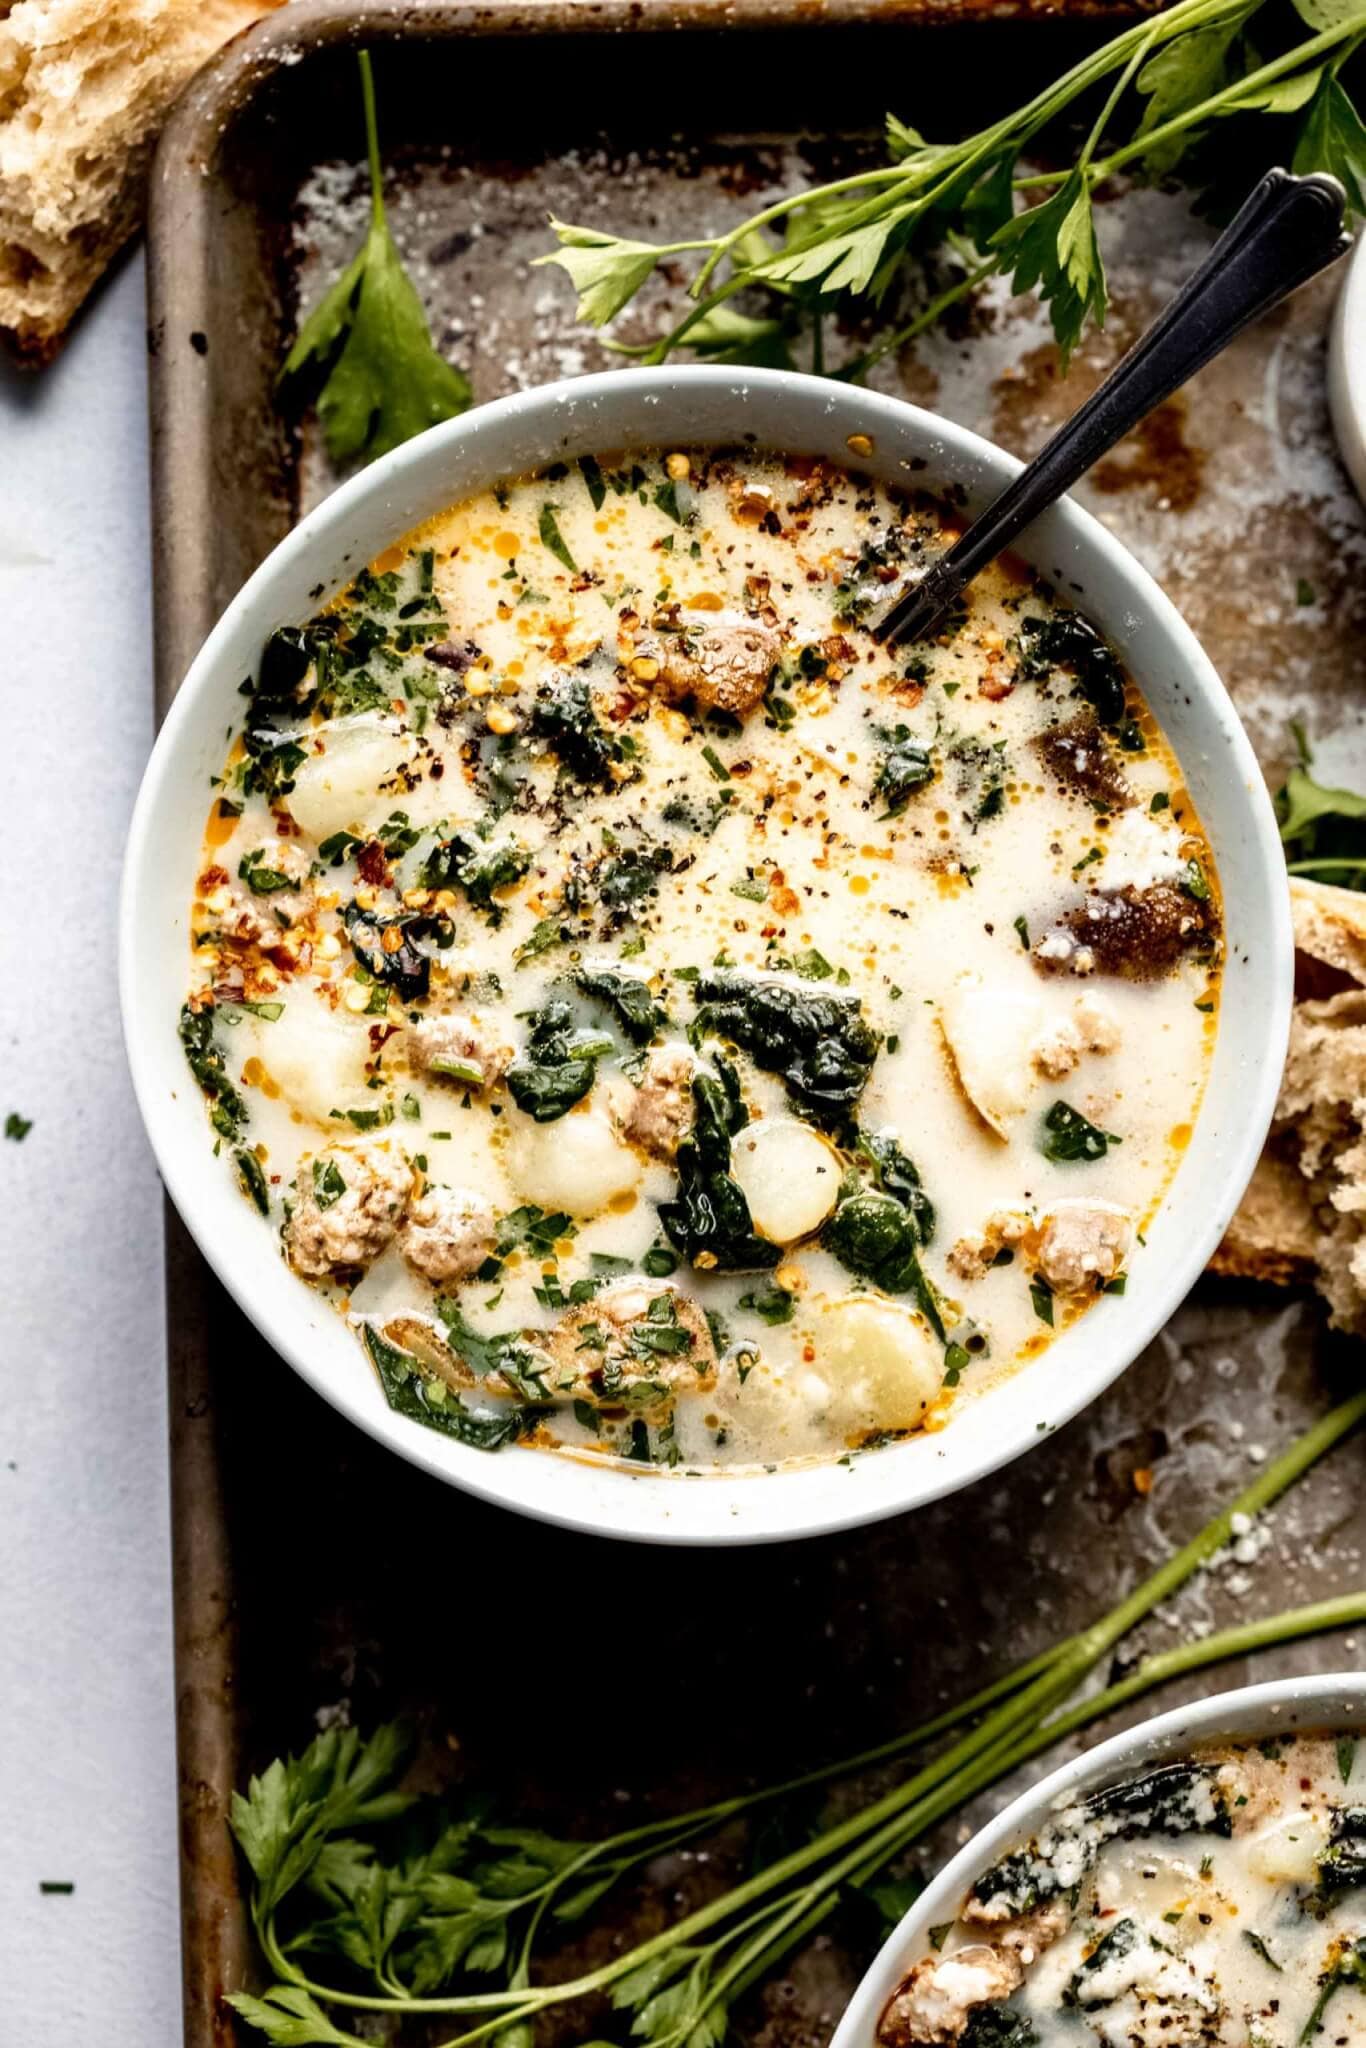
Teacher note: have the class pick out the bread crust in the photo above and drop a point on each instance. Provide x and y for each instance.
(1303, 1218)
(85, 86)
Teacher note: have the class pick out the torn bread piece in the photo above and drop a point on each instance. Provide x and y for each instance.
(85, 86)
(1302, 1218)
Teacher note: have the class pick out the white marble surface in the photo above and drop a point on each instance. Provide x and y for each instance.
(87, 1772)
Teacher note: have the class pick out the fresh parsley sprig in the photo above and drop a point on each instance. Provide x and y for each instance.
(1323, 830)
(366, 350)
(424, 1908)
(844, 246)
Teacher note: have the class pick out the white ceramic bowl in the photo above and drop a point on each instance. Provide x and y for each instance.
(1347, 368)
(1335, 1701)
(797, 414)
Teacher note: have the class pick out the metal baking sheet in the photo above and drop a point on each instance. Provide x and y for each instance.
(315, 1576)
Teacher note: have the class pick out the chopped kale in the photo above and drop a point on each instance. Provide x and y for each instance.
(387, 948)
(820, 1043)
(905, 767)
(898, 1176)
(1343, 1863)
(285, 661)
(410, 1392)
(709, 1220)
(1121, 1940)
(564, 717)
(227, 1111)
(629, 999)
(1068, 1137)
(631, 875)
(996, 2026)
(871, 1234)
(477, 868)
(558, 1066)
(1066, 640)
(1173, 1799)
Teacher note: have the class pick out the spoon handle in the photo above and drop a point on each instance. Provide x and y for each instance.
(1287, 229)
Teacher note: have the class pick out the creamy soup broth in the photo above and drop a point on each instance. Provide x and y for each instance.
(1215, 1903)
(669, 1024)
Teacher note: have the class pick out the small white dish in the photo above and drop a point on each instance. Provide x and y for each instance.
(1256, 1710)
(1347, 369)
(682, 407)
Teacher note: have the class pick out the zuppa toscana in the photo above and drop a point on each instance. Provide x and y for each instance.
(668, 1024)
(1215, 1902)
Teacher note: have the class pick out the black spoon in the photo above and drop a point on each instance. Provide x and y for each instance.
(1288, 229)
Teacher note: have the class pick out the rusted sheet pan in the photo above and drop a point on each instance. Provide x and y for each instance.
(315, 1577)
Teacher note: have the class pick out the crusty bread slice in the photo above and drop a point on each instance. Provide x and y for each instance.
(84, 88)
(1304, 1215)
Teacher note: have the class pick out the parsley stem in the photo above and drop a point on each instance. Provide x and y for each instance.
(1317, 867)
(1026, 1721)
(1106, 114)
(851, 372)
(367, 88)
(1292, 60)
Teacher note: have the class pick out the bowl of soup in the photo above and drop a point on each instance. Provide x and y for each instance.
(1196, 1881)
(646, 1050)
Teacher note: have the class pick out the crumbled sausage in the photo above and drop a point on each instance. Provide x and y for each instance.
(723, 665)
(447, 1234)
(635, 1345)
(1136, 933)
(452, 1039)
(1078, 756)
(1084, 1244)
(348, 1203)
(933, 2003)
(1097, 1023)
(1057, 1049)
(659, 1112)
(971, 1257)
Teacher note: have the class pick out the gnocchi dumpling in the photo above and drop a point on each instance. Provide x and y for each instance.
(882, 1365)
(989, 1032)
(577, 1164)
(341, 787)
(788, 1174)
(316, 1056)
(1289, 1852)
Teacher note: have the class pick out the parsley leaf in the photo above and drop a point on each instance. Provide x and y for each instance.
(290, 2018)
(1054, 246)
(366, 346)
(1333, 139)
(605, 270)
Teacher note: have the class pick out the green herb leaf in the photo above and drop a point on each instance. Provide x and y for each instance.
(1333, 137)
(410, 1392)
(18, 1127)
(771, 1304)
(548, 526)
(367, 342)
(1067, 1136)
(1054, 246)
(605, 270)
(290, 2017)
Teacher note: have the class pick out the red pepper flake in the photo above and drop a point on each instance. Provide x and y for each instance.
(373, 865)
